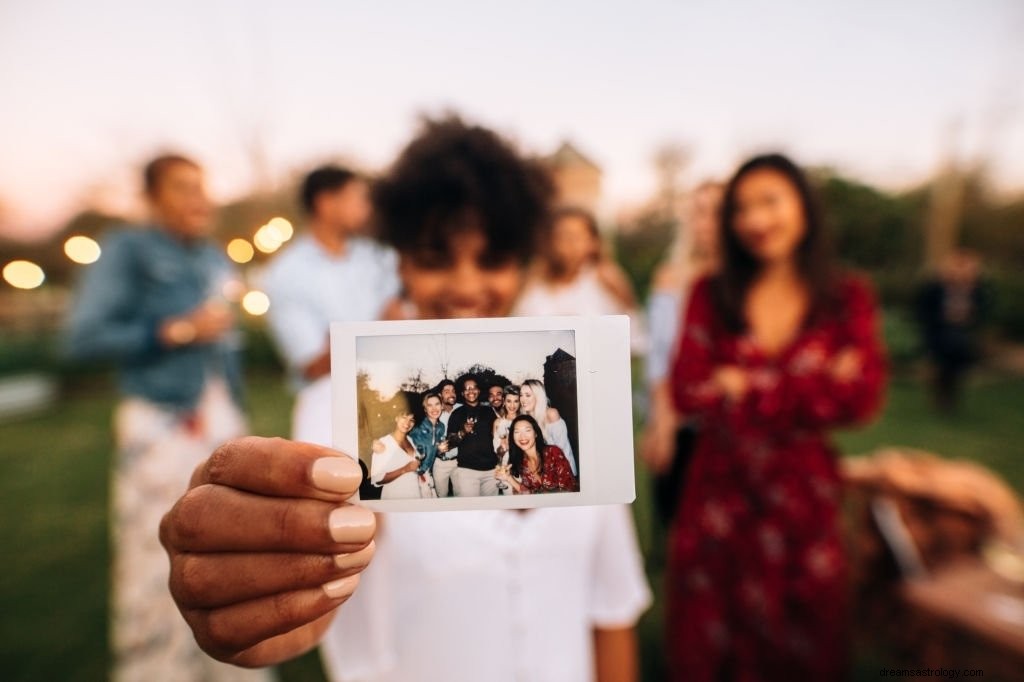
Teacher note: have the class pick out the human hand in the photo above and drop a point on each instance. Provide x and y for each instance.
(847, 365)
(442, 447)
(263, 547)
(204, 324)
(731, 380)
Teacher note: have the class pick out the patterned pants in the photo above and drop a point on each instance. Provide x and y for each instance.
(157, 452)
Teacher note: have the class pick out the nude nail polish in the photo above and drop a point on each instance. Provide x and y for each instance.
(352, 560)
(351, 524)
(342, 587)
(336, 474)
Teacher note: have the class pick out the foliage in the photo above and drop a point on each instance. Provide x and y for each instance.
(641, 244)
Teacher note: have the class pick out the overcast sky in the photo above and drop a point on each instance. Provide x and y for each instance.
(390, 360)
(91, 89)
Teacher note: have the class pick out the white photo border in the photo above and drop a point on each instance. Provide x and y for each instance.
(603, 394)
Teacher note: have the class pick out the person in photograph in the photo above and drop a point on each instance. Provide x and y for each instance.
(429, 435)
(332, 255)
(153, 304)
(778, 347)
(496, 398)
(509, 411)
(502, 426)
(575, 275)
(668, 439)
(471, 427)
(444, 464)
(533, 398)
(395, 466)
(535, 466)
(561, 587)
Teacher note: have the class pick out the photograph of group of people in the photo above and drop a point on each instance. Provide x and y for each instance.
(479, 434)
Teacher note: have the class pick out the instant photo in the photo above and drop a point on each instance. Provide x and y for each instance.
(478, 414)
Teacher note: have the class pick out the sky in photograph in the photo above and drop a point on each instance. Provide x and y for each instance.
(259, 91)
(390, 360)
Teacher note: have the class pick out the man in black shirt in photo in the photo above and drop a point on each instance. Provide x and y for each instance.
(470, 428)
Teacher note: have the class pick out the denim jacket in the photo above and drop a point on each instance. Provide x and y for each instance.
(143, 277)
(425, 436)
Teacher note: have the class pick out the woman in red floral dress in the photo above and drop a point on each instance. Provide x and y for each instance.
(777, 348)
(533, 465)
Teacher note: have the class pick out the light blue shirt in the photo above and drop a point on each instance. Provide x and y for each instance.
(309, 288)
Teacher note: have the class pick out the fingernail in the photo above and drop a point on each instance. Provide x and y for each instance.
(351, 524)
(342, 587)
(338, 474)
(358, 559)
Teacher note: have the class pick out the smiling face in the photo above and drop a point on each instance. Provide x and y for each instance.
(404, 423)
(432, 407)
(511, 404)
(769, 222)
(470, 392)
(524, 436)
(448, 395)
(495, 396)
(463, 280)
(527, 399)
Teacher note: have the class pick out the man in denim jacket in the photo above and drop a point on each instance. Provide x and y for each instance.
(155, 305)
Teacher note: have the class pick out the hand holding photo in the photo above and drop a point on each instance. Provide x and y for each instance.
(486, 414)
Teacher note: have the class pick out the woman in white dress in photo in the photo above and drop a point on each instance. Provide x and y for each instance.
(533, 399)
(396, 460)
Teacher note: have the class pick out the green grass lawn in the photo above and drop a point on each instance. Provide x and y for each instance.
(53, 513)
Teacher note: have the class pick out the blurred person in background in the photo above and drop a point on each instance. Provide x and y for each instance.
(951, 309)
(777, 347)
(574, 275)
(153, 305)
(550, 594)
(668, 438)
(332, 273)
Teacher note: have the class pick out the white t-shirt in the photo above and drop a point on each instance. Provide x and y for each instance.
(464, 596)
(309, 288)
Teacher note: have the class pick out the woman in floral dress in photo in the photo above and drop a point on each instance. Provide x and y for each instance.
(778, 347)
(534, 466)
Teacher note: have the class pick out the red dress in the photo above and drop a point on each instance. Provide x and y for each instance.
(554, 477)
(757, 572)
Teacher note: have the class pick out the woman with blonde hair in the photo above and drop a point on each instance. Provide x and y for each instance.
(533, 399)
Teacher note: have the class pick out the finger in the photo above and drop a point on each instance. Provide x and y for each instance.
(281, 468)
(227, 631)
(284, 647)
(206, 581)
(213, 518)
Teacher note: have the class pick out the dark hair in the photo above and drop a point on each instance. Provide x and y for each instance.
(154, 171)
(815, 259)
(454, 176)
(441, 384)
(511, 389)
(321, 180)
(460, 383)
(516, 456)
(551, 268)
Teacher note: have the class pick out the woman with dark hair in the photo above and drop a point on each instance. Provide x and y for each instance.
(396, 462)
(535, 466)
(462, 208)
(778, 347)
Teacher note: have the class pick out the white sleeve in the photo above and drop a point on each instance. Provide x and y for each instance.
(380, 464)
(619, 590)
(559, 435)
